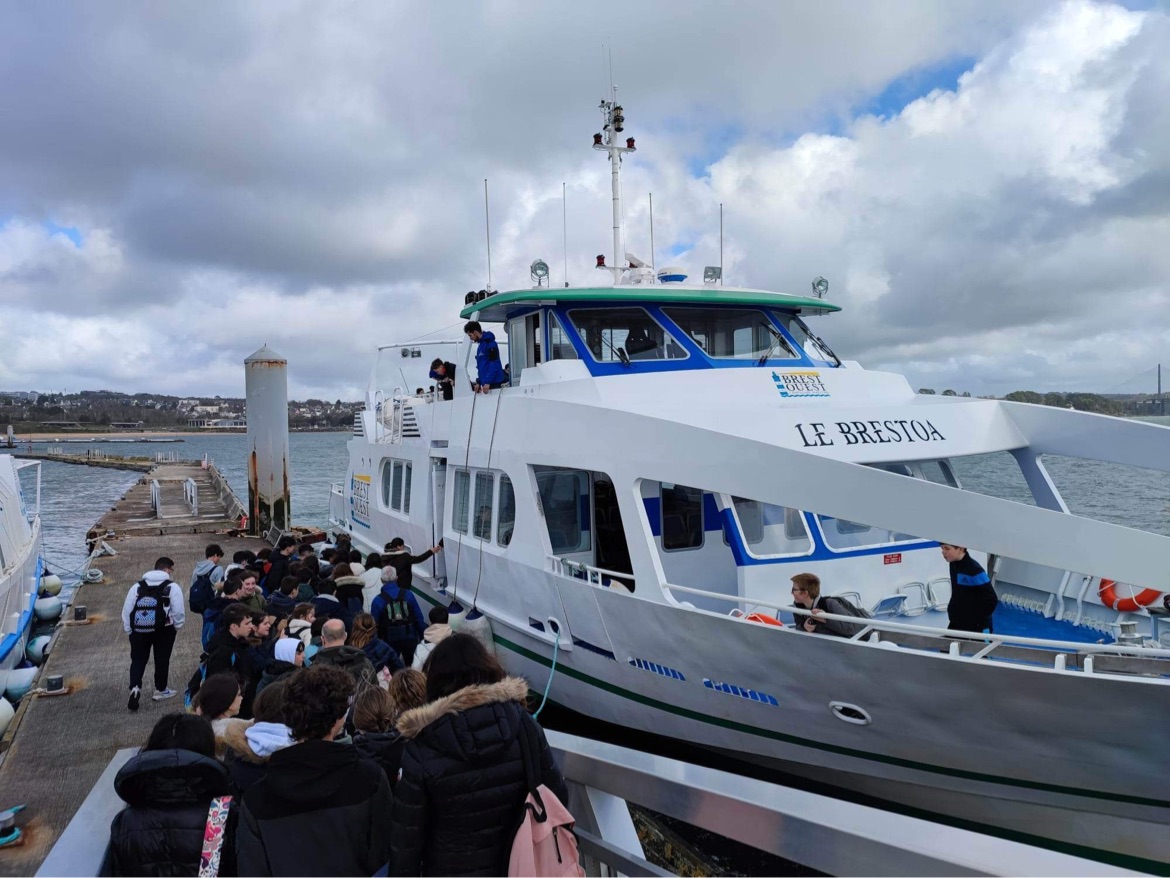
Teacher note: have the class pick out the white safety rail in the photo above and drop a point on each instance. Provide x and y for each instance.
(1061, 655)
(165, 457)
(337, 508)
(191, 495)
(587, 572)
(156, 498)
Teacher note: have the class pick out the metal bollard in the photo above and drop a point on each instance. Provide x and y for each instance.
(79, 614)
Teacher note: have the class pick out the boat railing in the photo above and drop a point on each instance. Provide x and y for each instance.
(1060, 655)
(819, 832)
(587, 572)
(337, 502)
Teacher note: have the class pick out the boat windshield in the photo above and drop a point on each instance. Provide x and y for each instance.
(732, 333)
(814, 346)
(632, 331)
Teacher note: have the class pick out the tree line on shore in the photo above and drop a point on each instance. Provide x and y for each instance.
(1082, 402)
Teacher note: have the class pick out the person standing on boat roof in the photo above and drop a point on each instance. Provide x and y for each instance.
(443, 374)
(489, 369)
(973, 597)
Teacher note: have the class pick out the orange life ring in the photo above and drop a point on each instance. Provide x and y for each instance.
(1108, 595)
(767, 620)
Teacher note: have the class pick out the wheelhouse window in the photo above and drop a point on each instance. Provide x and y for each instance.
(813, 346)
(507, 512)
(559, 345)
(613, 333)
(770, 531)
(462, 501)
(564, 499)
(682, 517)
(484, 491)
(732, 333)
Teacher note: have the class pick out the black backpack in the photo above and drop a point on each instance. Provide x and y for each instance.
(149, 613)
(399, 625)
(202, 592)
(848, 608)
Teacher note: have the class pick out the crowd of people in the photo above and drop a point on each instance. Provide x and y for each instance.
(329, 729)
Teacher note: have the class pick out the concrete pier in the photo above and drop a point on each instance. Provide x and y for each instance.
(58, 746)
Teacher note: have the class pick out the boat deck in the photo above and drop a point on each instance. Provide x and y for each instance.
(60, 745)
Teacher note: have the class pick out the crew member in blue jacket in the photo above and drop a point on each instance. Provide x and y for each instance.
(973, 598)
(489, 369)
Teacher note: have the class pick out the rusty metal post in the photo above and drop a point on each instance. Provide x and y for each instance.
(266, 389)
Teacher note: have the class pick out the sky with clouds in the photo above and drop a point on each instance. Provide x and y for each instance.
(985, 184)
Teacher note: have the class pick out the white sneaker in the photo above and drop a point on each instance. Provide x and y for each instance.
(164, 695)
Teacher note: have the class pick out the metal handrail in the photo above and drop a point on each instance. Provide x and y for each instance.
(191, 495)
(593, 574)
(1120, 650)
(156, 497)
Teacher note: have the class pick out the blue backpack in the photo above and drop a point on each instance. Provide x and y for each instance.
(196, 681)
(202, 592)
(211, 620)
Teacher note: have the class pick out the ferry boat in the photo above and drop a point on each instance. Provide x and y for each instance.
(21, 562)
(667, 455)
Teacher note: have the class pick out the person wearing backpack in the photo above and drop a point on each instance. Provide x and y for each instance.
(463, 778)
(399, 618)
(151, 615)
(206, 579)
(214, 612)
(806, 591)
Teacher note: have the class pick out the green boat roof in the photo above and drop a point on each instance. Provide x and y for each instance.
(495, 308)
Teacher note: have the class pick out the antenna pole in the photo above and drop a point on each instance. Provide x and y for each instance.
(721, 243)
(565, 231)
(612, 115)
(652, 262)
(487, 222)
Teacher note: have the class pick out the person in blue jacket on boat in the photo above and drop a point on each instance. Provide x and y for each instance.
(489, 368)
(973, 599)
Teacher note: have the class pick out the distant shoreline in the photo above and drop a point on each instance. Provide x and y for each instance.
(135, 435)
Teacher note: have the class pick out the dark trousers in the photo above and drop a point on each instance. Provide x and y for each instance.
(405, 650)
(971, 608)
(162, 642)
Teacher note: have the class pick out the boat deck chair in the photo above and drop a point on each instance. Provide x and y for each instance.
(890, 605)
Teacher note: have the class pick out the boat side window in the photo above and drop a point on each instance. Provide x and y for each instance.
(630, 330)
(564, 499)
(813, 346)
(841, 534)
(682, 517)
(732, 333)
(770, 530)
(484, 491)
(507, 511)
(559, 346)
(387, 470)
(396, 485)
(462, 501)
(938, 471)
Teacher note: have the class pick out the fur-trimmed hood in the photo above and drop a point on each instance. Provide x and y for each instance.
(234, 738)
(411, 723)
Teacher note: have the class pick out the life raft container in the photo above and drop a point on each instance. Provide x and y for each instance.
(1107, 592)
(767, 620)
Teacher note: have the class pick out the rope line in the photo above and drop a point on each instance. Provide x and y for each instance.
(491, 444)
(551, 672)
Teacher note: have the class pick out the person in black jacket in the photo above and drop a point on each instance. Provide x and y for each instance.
(168, 788)
(399, 557)
(461, 792)
(322, 809)
(230, 652)
(443, 374)
(973, 597)
(279, 560)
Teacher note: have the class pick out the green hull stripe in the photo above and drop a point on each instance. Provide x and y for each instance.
(819, 745)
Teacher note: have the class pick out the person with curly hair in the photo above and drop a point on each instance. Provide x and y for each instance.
(322, 809)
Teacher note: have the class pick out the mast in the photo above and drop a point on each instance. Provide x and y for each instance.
(614, 123)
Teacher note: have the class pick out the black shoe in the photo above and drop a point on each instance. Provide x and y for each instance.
(135, 693)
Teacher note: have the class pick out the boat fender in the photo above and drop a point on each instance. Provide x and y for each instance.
(1107, 592)
(7, 712)
(51, 584)
(36, 648)
(19, 683)
(48, 609)
(479, 626)
(456, 613)
(766, 620)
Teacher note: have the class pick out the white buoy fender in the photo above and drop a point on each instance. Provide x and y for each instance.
(19, 682)
(47, 609)
(457, 613)
(35, 651)
(7, 712)
(478, 626)
(51, 584)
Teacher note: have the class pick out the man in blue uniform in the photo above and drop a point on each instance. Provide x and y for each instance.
(489, 369)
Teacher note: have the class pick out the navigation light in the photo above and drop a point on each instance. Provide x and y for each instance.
(820, 286)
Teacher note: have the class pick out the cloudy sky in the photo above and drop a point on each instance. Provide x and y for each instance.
(986, 185)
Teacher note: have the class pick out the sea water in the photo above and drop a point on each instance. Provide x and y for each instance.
(73, 498)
